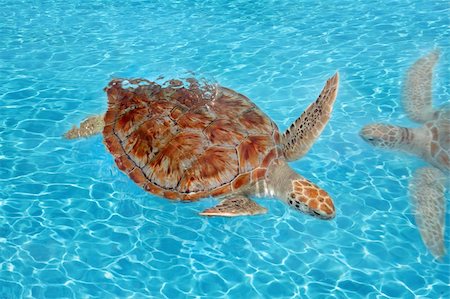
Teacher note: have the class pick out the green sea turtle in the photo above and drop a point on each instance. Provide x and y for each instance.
(431, 142)
(184, 140)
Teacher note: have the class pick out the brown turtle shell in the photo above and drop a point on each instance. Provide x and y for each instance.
(186, 142)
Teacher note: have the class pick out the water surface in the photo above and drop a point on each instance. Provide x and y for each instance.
(73, 226)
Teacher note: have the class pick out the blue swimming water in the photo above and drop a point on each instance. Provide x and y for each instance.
(73, 226)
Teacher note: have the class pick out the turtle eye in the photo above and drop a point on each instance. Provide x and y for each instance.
(368, 138)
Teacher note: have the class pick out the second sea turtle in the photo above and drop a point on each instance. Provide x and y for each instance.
(431, 142)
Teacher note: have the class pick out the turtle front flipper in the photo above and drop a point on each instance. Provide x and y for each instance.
(417, 88)
(299, 138)
(90, 126)
(427, 190)
(235, 206)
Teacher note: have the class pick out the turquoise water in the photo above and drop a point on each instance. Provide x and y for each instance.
(73, 226)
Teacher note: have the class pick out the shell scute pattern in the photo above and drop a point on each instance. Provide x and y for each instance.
(231, 104)
(169, 165)
(252, 150)
(124, 163)
(215, 166)
(177, 111)
(255, 121)
(224, 132)
(128, 120)
(197, 119)
(182, 143)
(143, 144)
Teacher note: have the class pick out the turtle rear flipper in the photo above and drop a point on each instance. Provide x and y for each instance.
(235, 206)
(299, 138)
(427, 190)
(90, 126)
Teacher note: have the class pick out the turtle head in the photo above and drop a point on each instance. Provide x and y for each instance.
(384, 136)
(308, 198)
(300, 194)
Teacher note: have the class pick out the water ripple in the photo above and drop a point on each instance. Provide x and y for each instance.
(73, 226)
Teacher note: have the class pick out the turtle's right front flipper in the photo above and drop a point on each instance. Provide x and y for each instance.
(427, 190)
(90, 126)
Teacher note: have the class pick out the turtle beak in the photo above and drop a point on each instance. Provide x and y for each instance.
(325, 215)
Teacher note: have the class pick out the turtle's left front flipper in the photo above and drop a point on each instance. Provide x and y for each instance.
(235, 206)
(417, 88)
(90, 126)
(427, 191)
(299, 138)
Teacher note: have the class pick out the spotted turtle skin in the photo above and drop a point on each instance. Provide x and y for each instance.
(187, 142)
